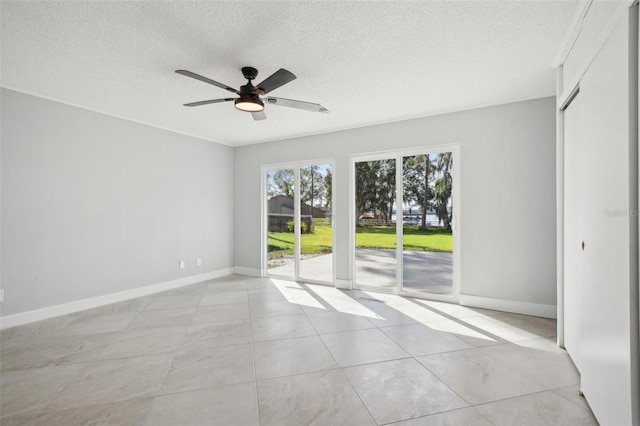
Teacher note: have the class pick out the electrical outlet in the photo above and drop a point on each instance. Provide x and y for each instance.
(183, 264)
(199, 261)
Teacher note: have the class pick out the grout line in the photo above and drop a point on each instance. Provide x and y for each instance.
(588, 409)
(253, 357)
(353, 389)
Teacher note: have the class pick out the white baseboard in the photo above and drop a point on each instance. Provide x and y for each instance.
(343, 284)
(513, 306)
(241, 270)
(84, 304)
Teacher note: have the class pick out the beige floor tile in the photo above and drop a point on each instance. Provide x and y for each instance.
(339, 300)
(285, 357)
(114, 380)
(28, 391)
(420, 339)
(93, 324)
(224, 298)
(335, 322)
(126, 306)
(477, 377)
(258, 296)
(470, 333)
(216, 313)
(162, 318)
(18, 419)
(60, 350)
(463, 417)
(311, 303)
(362, 347)
(32, 332)
(538, 409)
(418, 312)
(281, 327)
(205, 368)
(129, 412)
(314, 398)
(274, 308)
(143, 341)
(539, 327)
(502, 327)
(571, 394)
(224, 406)
(452, 310)
(399, 390)
(217, 334)
(540, 360)
(197, 288)
(387, 316)
(221, 286)
(177, 301)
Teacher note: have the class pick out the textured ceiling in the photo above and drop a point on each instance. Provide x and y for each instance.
(367, 62)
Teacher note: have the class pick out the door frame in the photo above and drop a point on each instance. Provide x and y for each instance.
(397, 155)
(296, 166)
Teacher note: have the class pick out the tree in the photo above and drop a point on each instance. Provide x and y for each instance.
(365, 188)
(281, 183)
(312, 187)
(442, 189)
(418, 171)
(328, 190)
(386, 189)
(375, 188)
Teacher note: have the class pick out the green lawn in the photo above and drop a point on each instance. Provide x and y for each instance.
(414, 238)
(320, 241)
(381, 237)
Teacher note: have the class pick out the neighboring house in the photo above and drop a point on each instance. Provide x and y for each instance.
(281, 210)
(283, 204)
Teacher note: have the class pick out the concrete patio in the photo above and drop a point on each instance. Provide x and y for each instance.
(423, 272)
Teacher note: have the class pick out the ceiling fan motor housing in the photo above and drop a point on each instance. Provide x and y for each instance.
(249, 73)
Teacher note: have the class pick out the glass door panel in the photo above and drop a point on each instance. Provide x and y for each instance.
(280, 222)
(427, 236)
(316, 223)
(375, 236)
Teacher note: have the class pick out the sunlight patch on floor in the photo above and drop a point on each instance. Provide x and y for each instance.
(341, 302)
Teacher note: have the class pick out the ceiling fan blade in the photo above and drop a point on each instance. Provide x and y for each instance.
(275, 80)
(211, 101)
(260, 115)
(307, 106)
(207, 80)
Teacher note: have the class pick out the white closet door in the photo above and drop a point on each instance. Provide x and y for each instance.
(574, 171)
(598, 309)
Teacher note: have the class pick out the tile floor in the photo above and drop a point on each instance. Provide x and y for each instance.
(246, 351)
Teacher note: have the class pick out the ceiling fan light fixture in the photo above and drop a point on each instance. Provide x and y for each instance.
(249, 104)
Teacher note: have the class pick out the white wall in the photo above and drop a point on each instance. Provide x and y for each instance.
(507, 218)
(93, 205)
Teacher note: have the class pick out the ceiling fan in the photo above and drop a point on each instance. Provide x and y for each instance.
(250, 99)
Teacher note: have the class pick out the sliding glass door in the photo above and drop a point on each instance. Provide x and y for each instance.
(298, 221)
(427, 232)
(375, 236)
(405, 223)
(280, 215)
(316, 222)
